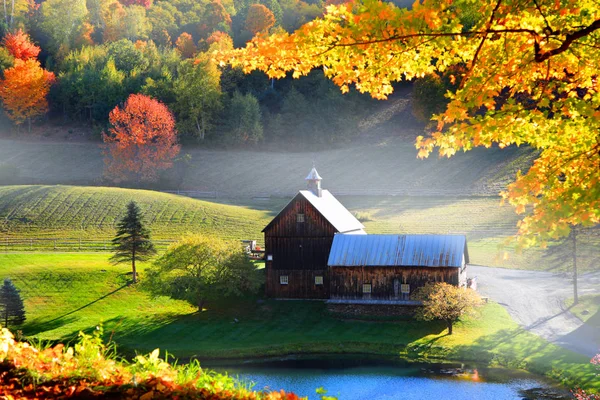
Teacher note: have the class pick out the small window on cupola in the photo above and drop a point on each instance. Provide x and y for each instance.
(299, 218)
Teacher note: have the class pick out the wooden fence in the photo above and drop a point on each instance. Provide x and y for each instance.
(10, 244)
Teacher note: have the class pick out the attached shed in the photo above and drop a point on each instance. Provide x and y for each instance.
(392, 267)
(298, 241)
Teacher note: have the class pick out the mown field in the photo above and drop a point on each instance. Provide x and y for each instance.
(92, 212)
(68, 213)
(66, 293)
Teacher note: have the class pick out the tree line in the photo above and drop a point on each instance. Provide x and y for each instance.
(82, 58)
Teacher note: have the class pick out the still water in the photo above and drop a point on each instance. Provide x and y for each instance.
(366, 378)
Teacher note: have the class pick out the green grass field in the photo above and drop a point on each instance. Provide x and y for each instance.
(66, 293)
(587, 310)
(92, 212)
(73, 212)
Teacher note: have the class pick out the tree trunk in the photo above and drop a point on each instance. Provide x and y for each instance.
(201, 305)
(200, 135)
(575, 294)
(6, 318)
(133, 270)
(449, 327)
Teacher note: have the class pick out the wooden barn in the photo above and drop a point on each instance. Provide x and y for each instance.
(391, 267)
(298, 241)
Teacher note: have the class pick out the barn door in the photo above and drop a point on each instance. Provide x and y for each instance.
(396, 288)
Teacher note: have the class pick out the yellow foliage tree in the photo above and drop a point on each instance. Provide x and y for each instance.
(530, 78)
(447, 303)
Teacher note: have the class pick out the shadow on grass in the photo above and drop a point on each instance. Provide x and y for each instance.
(586, 338)
(37, 326)
(267, 328)
(517, 348)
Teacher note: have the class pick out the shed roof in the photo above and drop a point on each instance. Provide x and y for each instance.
(333, 211)
(398, 250)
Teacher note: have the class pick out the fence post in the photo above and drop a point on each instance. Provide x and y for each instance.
(54, 244)
(79, 243)
(31, 244)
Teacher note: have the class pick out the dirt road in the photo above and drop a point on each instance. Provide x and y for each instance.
(536, 301)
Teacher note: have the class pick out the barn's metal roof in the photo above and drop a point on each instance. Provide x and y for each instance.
(334, 212)
(398, 250)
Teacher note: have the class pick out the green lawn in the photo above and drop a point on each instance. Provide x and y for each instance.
(587, 310)
(66, 293)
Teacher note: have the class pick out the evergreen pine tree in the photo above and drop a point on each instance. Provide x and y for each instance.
(132, 241)
(11, 304)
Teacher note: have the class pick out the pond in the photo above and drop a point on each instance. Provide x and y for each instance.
(363, 377)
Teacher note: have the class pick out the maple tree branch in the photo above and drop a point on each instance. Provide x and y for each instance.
(569, 39)
(550, 30)
(437, 34)
(476, 55)
(540, 56)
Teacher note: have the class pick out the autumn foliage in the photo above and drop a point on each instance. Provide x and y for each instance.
(86, 371)
(260, 19)
(215, 18)
(24, 90)
(531, 78)
(185, 45)
(144, 3)
(142, 140)
(447, 303)
(19, 45)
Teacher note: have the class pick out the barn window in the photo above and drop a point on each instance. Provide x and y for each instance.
(318, 280)
(270, 257)
(299, 217)
(283, 279)
(405, 288)
(367, 288)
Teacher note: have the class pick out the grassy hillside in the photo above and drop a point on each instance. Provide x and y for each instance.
(68, 211)
(92, 212)
(376, 166)
(66, 293)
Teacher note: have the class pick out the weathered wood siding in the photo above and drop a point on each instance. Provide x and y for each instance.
(299, 250)
(301, 284)
(347, 282)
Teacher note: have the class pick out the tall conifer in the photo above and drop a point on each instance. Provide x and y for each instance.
(11, 304)
(132, 242)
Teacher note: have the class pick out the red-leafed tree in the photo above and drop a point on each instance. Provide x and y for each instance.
(185, 45)
(20, 46)
(24, 90)
(143, 3)
(260, 19)
(142, 140)
(215, 18)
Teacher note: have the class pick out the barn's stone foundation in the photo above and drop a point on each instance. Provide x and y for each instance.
(372, 310)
